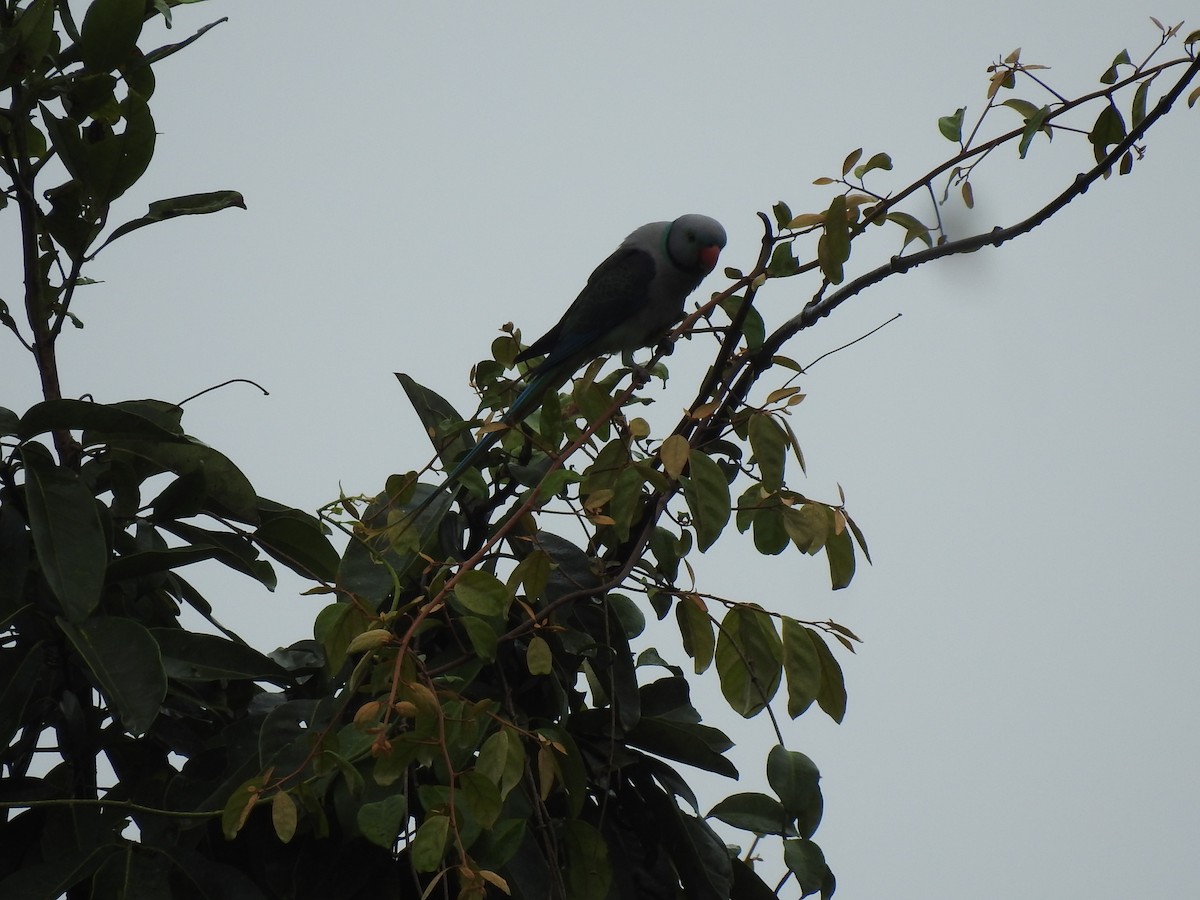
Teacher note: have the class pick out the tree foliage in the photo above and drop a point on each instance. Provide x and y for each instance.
(478, 714)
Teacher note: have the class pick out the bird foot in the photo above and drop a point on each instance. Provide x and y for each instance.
(641, 375)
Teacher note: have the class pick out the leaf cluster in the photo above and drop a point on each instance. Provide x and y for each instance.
(91, 594)
(480, 713)
(476, 597)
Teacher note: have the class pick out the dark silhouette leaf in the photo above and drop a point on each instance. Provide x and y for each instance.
(67, 533)
(123, 657)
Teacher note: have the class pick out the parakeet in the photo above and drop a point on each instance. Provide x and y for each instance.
(630, 301)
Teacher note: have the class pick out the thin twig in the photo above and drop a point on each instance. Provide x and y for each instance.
(224, 384)
(862, 337)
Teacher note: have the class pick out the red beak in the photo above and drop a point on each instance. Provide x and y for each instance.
(708, 257)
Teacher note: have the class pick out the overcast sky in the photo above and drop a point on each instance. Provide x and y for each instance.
(1020, 447)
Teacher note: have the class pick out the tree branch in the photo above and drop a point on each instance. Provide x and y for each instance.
(898, 265)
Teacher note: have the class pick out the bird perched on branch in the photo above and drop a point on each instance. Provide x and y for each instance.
(630, 301)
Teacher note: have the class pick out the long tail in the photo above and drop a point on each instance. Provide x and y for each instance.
(545, 378)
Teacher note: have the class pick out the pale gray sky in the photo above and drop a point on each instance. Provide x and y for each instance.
(1019, 448)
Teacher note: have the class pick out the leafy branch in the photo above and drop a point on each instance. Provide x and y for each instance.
(631, 485)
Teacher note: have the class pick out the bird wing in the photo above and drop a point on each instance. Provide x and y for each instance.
(615, 292)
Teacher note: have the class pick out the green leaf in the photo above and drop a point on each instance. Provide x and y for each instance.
(628, 613)
(192, 656)
(696, 630)
(480, 797)
(783, 263)
(439, 419)
(150, 562)
(802, 666)
(94, 95)
(914, 229)
(16, 563)
(858, 535)
(67, 533)
(769, 443)
(878, 161)
(625, 507)
(700, 856)
(166, 50)
(284, 816)
(1140, 101)
(50, 880)
(602, 474)
(124, 659)
(668, 550)
(168, 416)
(851, 158)
(1110, 74)
(808, 525)
(770, 528)
(532, 573)
(1024, 107)
(64, 137)
(570, 766)
(110, 32)
(752, 325)
(17, 689)
(754, 329)
(669, 697)
(589, 874)
(482, 636)
(135, 146)
(298, 543)
(1034, 123)
(1108, 130)
(833, 247)
(695, 745)
(133, 871)
(382, 820)
(571, 567)
(107, 163)
(183, 498)
(10, 422)
(229, 489)
(832, 696)
(538, 657)
(25, 46)
(839, 550)
(795, 780)
(498, 845)
(951, 126)
(783, 214)
(335, 627)
(429, 844)
(754, 812)
(749, 659)
(230, 549)
(482, 593)
(286, 735)
(806, 861)
(187, 205)
(747, 883)
(102, 422)
(706, 492)
(502, 759)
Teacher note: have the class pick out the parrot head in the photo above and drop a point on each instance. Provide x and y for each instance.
(694, 243)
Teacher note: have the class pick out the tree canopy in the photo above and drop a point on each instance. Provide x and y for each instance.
(479, 712)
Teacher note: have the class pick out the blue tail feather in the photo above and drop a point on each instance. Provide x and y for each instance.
(545, 378)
